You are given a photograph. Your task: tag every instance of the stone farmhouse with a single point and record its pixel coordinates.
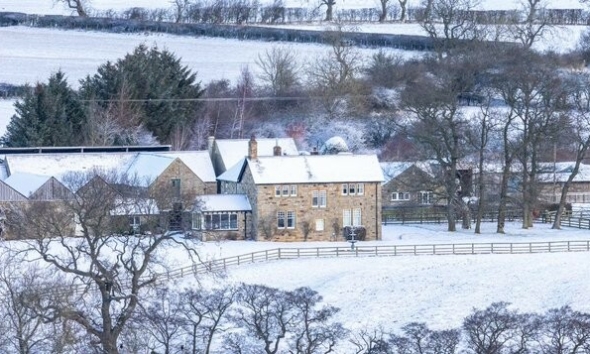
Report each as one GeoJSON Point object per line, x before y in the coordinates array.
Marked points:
{"type": "Point", "coordinates": [279, 195]}
{"type": "Point", "coordinates": [408, 184]}
{"type": "Point", "coordinates": [307, 197]}
{"type": "Point", "coordinates": [54, 174]}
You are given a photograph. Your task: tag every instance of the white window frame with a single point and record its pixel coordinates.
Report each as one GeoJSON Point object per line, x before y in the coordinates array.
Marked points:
{"type": "Point", "coordinates": [215, 222]}
{"type": "Point", "coordinates": [293, 190]}
{"type": "Point", "coordinates": [197, 221]}
{"type": "Point", "coordinates": [344, 189]}
{"type": "Point", "coordinates": [360, 189]}
{"type": "Point", "coordinates": [352, 189]}
{"type": "Point", "coordinates": [400, 196]}
{"type": "Point", "coordinates": [426, 195]}
{"type": "Point", "coordinates": [357, 219]}
{"type": "Point", "coordinates": [319, 224]}
{"type": "Point", "coordinates": [281, 218]}
{"type": "Point", "coordinates": [319, 199]}
{"type": "Point", "coordinates": [346, 217]}
{"type": "Point", "coordinates": [291, 220]}
{"type": "Point", "coordinates": [135, 222]}
{"type": "Point", "coordinates": [277, 191]}
{"type": "Point", "coordinates": [286, 191]}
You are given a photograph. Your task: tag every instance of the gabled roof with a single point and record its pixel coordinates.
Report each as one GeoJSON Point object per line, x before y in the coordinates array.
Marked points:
{"type": "Point", "coordinates": [198, 161]}
{"type": "Point", "coordinates": [562, 172]}
{"type": "Point", "coordinates": [313, 169]}
{"type": "Point", "coordinates": [391, 170]}
{"type": "Point", "coordinates": [222, 202]}
{"type": "Point", "coordinates": [232, 150]}
{"type": "Point", "coordinates": [234, 173]}
{"type": "Point", "coordinates": [147, 167]}
{"type": "Point", "coordinates": [26, 183]}
{"type": "Point", "coordinates": [59, 165]}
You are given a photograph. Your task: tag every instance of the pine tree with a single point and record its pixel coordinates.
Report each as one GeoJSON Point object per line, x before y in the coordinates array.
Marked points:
{"type": "Point", "coordinates": [48, 115]}
{"type": "Point", "coordinates": [158, 87]}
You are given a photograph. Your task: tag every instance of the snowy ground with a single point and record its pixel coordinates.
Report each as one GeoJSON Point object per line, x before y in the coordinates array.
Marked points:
{"type": "Point", "coordinates": [438, 290]}
{"type": "Point", "coordinates": [51, 8]}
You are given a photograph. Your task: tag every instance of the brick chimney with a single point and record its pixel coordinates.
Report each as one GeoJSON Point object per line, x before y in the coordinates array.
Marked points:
{"type": "Point", "coordinates": [276, 150]}
{"type": "Point", "coordinates": [252, 148]}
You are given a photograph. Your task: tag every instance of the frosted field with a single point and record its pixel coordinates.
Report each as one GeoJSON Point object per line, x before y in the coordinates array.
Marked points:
{"type": "Point", "coordinates": [48, 7]}
{"type": "Point", "coordinates": [438, 290]}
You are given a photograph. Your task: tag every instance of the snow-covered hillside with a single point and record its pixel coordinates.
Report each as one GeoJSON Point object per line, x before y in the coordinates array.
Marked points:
{"type": "Point", "coordinates": [437, 290]}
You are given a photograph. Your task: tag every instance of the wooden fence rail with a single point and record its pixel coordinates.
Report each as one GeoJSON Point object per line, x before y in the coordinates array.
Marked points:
{"type": "Point", "coordinates": [380, 251]}
{"type": "Point", "coordinates": [570, 220]}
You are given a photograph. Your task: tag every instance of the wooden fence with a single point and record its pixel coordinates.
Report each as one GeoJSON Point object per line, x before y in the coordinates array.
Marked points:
{"type": "Point", "coordinates": [401, 217]}
{"type": "Point", "coordinates": [379, 251]}
{"type": "Point", "coordinates": [569, 220]}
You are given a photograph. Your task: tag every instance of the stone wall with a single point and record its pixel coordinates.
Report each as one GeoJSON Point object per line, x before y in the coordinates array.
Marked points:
{"type": "Point", "coordinates": [331, 216]}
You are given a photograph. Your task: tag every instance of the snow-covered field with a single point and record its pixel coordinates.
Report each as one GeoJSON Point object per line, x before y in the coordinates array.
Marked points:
{"type": "Point", "coordinates": [438, 290]}
{"type": "Point", "coordinates": [51, 8]}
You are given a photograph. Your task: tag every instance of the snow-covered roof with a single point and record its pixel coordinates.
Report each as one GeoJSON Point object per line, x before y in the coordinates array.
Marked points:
{"type": "Point", "coordinates": [315, 169]}
{"type": "Point", "coordinates": [232, 150]}
{"type": "Point", "coordinates": [59, 165]}
{"type": "Point", "coordinates": [222, 202]}
{"type": "Point", "coordinates": [142, 206]}
{"type": "Point", "coordinates": [26, 183]}
{"type": "Point", "coordinates": [234, 173]}
{"type": "Point", "coordinates": [145, 166]}
{"type": "Point", "coordinates": [393, 169]}
{"type": "Point", "coordinates": [198, 161]}
{"type": "Point", "coordinates": [563, 171]}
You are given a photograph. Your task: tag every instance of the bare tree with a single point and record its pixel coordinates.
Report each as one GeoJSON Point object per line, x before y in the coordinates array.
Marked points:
{"type": "Point", "coordinates": [315, 331]}
{"type": "Point", "coordinates": [334, 76]}
{"type": "Point", "coordinates": [244, 108]}
{"type": "Point", "coordinates": [578, 120]}
{"type": "Point", "coordinates": [370, 341]}
{"type": "Point", "coordinates": [205, 314]}
{"type": "Point", "coordinates": [80, 6]}
{"type": "Point", "coordinates": [536, 97]}
{"type": "Point", "coordinates": [534, 25]}
{"type": "Point", "coordinates": [403, 4]}
{"type": "Point", "coordinates": [449, 21]}
{"type": "Point", "coordinates": [279, 69]}
{"type": "Point", "coordinates": [417, 338]}
{"type": "Point", "coordinates": [266, 315]}
{"type": "Point", "coordinates": [329, 8]}
{"type": "Point", "coordinates": [438, 125]}
{"type": "Point", "coordinates": [160, 317]}
{"type": "Point", "coordinates": [497, 330]}
{"type": "Point", "coordinates": [564, 331]}
{"type": "Point", "coordinates": [181, 8]}
{"type": "Point", "coordinates": [109, 274]}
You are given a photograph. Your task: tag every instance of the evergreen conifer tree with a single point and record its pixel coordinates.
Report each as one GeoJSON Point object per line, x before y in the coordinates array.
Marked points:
{"type": "Point", "coordinates": [50, 114]}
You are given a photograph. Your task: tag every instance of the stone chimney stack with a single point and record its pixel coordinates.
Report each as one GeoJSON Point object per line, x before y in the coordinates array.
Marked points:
{"type": "Point", "coordinates": [276, 150]}
{"type": "Point", "coordinates": [210, 142]}
{"type": "Point", "coordinates": [252, 148]}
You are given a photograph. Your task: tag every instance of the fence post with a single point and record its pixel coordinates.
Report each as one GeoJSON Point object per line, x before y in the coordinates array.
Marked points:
{"type": "Point", "coordinates": [224, 265]}
{"type": "Point", "coordinates": [298, 255]}
{"type": "Point", "coordinates": [375, 250]}
{"type": "Point", "coordinates": [238, 260]}
{"type": "Point", "coordinates": [395, 250]}
{"type": "Point", "coordinates": [318, 252]}
{"type": "Point", "coordinates": [266, 253]}
{"type": "Point", "coordinates": [414, 250]}
{"type": "Point", "coordinates": [568, 246]}
{"type": "Point", "coordinates": [279, 253]}
{"type": "Point", "coordinates": [549, 246]}
{"type": "Point", "coordinates": [472, 248]}
{"type": "Point", "coordinates": [511, 248]}
{"type": "Point", "coordinates": [252, 257]}
{"type": "Point", "coordinates": [453, 248]}
{"type": "Point", "coordinates": [433, 250]}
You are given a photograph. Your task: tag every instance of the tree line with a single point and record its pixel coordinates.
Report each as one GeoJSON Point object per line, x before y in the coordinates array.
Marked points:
{"type": "Point", "coordinates": [253, 12]}
{"type": "Point", "coordinates": [253, 318]}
